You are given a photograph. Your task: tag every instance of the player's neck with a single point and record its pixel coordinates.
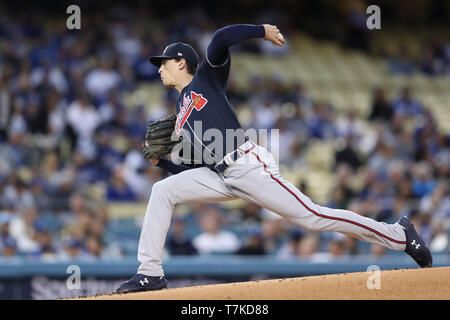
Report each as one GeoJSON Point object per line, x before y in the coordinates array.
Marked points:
{"type": "Point", "coordinates": [185, 79]}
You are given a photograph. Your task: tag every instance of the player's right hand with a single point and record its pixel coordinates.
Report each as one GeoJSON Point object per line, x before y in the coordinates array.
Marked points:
{"type": "Point", "coordinates": [273, 35]}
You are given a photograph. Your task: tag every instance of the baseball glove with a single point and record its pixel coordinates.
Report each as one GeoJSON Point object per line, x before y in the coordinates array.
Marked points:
{"type": "Point", "coordinates": [160, 138]}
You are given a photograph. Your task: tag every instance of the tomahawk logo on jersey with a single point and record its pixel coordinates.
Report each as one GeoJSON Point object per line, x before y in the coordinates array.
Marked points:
{"type": "Point", "coordinates": [191, 101]}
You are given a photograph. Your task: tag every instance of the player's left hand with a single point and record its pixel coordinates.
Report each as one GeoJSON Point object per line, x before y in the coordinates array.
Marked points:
{"type": "Point", "coordinates": [273, 35]}
{"type": "Point", "coordinates": [160, 138]}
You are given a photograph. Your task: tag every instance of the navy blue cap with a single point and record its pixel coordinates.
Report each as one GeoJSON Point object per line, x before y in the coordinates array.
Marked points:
{"type": "Point", "coordinates": [177, 50]}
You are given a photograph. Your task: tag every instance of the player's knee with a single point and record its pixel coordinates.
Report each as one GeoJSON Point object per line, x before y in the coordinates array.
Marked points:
{"type": "Point", "coordinates": [161, 189]}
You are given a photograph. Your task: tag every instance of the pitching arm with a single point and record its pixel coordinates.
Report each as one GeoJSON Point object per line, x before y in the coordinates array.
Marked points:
{"type": "Point", "coordinates": [217, 53]}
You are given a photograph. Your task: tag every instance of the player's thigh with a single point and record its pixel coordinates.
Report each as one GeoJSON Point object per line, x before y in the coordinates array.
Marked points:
{"type": "Point", "coordinates": [260, 182]}
{"type": "Point", "coordinates": [194, 185]}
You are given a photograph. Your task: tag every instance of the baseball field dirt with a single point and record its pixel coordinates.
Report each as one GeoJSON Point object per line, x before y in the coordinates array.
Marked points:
{"type": "Point", "coordinates": [399, 284]}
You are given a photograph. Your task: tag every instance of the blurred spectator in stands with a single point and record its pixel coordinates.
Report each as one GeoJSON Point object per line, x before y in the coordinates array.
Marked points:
{"type": "Point", "coordinates": [342, 181]}
{"type": "Point", "coordinates": [213, 239]}
{"type": "Point", "coordinates": [71, 250]}
{"type": "Point", "coordinates": [405, 105]}
{"type": "Point", "coordinates": [400, 208]}
{"type": "Point", "coordinates": [354, 16]}
{"type": "Point", "coordinates": [336, 246]}
{"type": "Point", "coordinates": [383, 157]}
{"type": "Point", "coordinates": [321, 124]}
{"type": "Point", "coordinates": [429, 64]}
{"type": "Point", "coordinates": [347, 154]}
{"type": "Point", "coordinates": [437, 202]}
{"type": "Point", "coordinates": [273, 231]}
{"type": "Point", "coordinates": [254, 244]}
{"type": "Point", "coordinates": [93, 247]}
{"type": "Point", "coordinates": [422, 223]}
{"type": "Point", "coordinates": [381, 108]}
{"type": "Point", "coordinates": [377, 251]}
{"type": "Point", "coordinates": [441, 159]}
{"type": "Point", "coordinates": [235, 95]}
{"type": "Point", "coordinates": [333, 243]}
{"type": "Point", "coordinates": [289, 248]}
{"type": "Point", "coordinates": [54, 173]}
{"type": "Point", "coordinates": [46, 250]}
{"type": "Point", "coordinates": [56, 106]}
{"type": "Point", "coordinates": [404, 144]}
{"type": "Point", "coordinates": [118, 189]}
{"type": "Point", "coordinates": [41, 198]}
{"type": "Point", "coordinates": [426, 139]}
{"type": "Point", "coordinates": [266, 115]}
{"type": "Point", "coordinates": [107, 156]}
{"type": "Point", "coordinates": [5, 103]}
{"type": "Point", "coordinates": [350, 125]}
{"type": "Point", "coordinates": [308, 248]}
{"type": "Point", "coordinates": [138, 174]}
{"type": "Point", "coordinates": [83, 119]}
{"type": "Point", "coordinates": [423, 181]}
{"type": "Point", "coordinates": [36, 115]}
{"type": "Point", "coordinates": [178, 243]}
{"type": "Point", "coordinates": [286, 139]}
{"type": "Point", "coordinates": [351, 246]}
{"type": "Point", "coordinates": [22, 230]}
{"type": "Point", "coordinates": [102, 78]}
{"type": "Point", "coordinates": [8, 245]}
{"type": "Point", "coordinates": [96, 226]}
{"type": "Point", "coordinates": [250, 214]}
{"type": "Point", "coordinates": [145, 71]}
{"type": "Point", "coordinates": [5, 219]}
{"type": "Point", "coordinates": [339, 198]}
{"type": "Point", "coordinates": [299, 96]}
{"type": "Point", "coordinates": [380, 199]}
{"type": "Point", "coordinates": [111, 109]}
{"type": "Point", "coordinates": [441, 239]}
{"type": "Point", "coordinates": [18, 194]}
{"type": "Point", "coordinates": [401, 63]}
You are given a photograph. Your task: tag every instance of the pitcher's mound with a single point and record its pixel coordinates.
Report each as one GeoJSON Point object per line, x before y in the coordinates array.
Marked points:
{"type": "Point", "coordinates": [431, 283]}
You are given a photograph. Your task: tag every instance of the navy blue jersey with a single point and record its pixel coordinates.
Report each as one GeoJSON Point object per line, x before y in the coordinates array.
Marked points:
{"type": "Point", "coordinates": [203, 106]}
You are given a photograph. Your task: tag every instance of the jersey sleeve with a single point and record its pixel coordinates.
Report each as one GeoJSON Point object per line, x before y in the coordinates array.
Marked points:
{"type": "Point", "coordinates": [217, 59]}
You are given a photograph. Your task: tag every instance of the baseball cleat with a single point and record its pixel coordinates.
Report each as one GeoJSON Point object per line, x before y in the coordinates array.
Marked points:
{"type": "Point", "coordinates": [415, 246]}
{"type": "Point", "coordinates": [141, 282]}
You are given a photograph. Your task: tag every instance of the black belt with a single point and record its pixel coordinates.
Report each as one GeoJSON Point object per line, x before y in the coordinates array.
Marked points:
{"type": "Point", "coordinates": [236, 154]}
{"type": "Point", "coordinates": [222, 165]}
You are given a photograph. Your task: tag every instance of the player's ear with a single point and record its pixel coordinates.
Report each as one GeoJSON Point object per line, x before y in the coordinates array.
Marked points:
{"type": "Point", "coordinates": [182, 64]}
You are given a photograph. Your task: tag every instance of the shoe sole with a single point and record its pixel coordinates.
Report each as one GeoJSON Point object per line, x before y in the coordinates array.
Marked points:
{"type": "Point", "coordinates": [140, 290]}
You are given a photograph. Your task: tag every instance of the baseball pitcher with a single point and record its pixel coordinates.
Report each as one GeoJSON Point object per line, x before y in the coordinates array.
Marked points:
{"type": "Point", "coordinates": [245, 170]}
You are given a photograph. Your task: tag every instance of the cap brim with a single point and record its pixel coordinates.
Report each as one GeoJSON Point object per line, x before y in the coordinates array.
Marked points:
{"type": "Point", "coordinates": [157, 60]}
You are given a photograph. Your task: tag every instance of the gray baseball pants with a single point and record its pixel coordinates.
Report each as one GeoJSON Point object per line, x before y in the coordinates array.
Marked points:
{"type": "Point", "coordinates": [254, 177]}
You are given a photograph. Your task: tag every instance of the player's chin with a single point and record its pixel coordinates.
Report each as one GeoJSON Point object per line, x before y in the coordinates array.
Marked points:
{"type": "Point", "coordinates": [165, 82]}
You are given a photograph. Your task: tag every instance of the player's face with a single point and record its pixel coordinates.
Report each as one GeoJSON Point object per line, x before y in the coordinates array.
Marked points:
{"type": "Point", "coordinates": [169, 71]}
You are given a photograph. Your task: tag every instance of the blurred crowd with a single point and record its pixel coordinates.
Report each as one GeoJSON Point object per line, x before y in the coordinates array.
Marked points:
{"type": "Point", "coordinates": [70, 144]}
{"type": "Point", "coordinates": [433, 60]}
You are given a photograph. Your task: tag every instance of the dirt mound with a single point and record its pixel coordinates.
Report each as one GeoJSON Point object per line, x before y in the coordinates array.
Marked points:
{"type": "Point", "coordinates": [431, 283]}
